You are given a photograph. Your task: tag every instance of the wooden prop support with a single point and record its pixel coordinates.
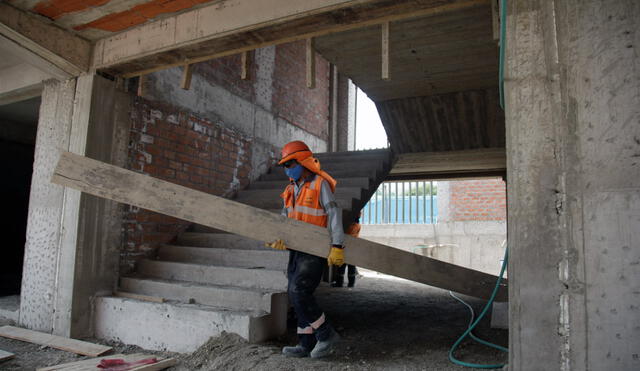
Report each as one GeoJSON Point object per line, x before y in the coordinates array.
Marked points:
{"type": "Point", "coordinates": [244, 65]}
{"type": "Point", "coordinates": [121, 185]}
{"type": "Point", "coordinates": [186, 77]}
{"type": "Point", "coordinates": [385, 51]}
{"type": "Point", "coordinates": [311, 64]}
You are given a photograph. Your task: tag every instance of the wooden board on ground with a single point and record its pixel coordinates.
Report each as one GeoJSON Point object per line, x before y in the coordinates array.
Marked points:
{"type": "Point", "coordinates": [91, 364]}
{"type": "Point", "coordinates": [5, 355]}
{"type": "Point", "coordinates": [121, 185]}
{"type": "Point", "coordinates": [53, 341]}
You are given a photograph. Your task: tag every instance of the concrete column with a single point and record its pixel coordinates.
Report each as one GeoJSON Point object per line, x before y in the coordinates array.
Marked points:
{"type": "Point", "coordinates": [573, 141]}
{"type": "Point", "coordinates": [40, 270]}
{"type": "Point", "coordinates": [72, 246]}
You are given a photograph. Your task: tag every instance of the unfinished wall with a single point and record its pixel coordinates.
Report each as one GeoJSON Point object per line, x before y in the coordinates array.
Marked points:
{"type": "Point", "coordinates": [472, 244]}
{"type": "Point", "coordinates": [573, 141]}
{"type": "Point", "coordinates": [472, 200]}
{"type": "Point", "coordinates": [222, 132]}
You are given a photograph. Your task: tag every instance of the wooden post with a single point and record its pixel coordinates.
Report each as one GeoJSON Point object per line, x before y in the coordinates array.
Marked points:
{"type": "Point", "coordinates": [121, 185]}
{"type": "Point", "coordinates": [141, 82]}
{"type": "Point", "coordinates": [385, 51]}
{"type": "Point", "coordinates": [311, 64]}
{"type": "Point", "coordinates": [186, 77]}
{"type": "Point", "coordinates": [244, 65]}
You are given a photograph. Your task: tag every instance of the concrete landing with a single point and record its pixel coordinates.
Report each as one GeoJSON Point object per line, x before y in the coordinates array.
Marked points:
{"type": "Point", "coordinates": [177, 327]}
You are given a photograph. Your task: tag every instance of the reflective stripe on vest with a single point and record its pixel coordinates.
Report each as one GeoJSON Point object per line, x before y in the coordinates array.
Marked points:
{"type": "Point", "coordinates": [307, 207]}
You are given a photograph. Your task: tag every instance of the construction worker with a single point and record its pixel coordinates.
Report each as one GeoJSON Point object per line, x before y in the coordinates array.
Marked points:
{"type": "Point", "coordinates": [352, 271]}
{"type": "Point", "coordinates": [309, 197]}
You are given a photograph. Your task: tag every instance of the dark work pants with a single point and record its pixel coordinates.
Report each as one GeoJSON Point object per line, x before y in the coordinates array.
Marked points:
{"type": "Point", "coordinates": [304, 273]}
{"type": "Point", "coordinates": [351, 273]}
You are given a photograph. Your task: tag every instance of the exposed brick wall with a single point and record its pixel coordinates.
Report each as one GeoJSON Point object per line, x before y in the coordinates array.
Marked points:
{"type": "Point", "coordinates": [482, 199]}
{"type": "Point", "coordinates": [225, 72]}
{"type": "Point", "coordinates": [174, 145]}
{"type": "Point", "coordinates": [292, 100]}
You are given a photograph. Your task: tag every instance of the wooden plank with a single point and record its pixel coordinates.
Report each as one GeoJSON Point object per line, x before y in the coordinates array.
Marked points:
{"type": "Point", "coordinates": [495, 19]}
{"type": "Point", "coordinates": [5, 355]}
{"type": "Point", "coordinates": [141, 86]}
{"type": "Point", "coordinates": [385, 51]}
{"type": "Point", "coordinates": [66, 51]}
{"type": "Point", "coordinates": [187, 71]}
{"type": "Point", "coordinates": [91, 364]}
{"type": "Point", "coordinates": [450, 162]}
{"type": "Point", "coordinates": [310, 64]}
{"type": "Point", "coordinates": [128, 54]}
{"type": "Point", "coordinates": [130, 295]}
{"type": "Point", "coordinates": [121, 185]}
{"type": "Point", "coordinates": [53, 341]}
{"type": "Point", "coordinates": [244, 65]}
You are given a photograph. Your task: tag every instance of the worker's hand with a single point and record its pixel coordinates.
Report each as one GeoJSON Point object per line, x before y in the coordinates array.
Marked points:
{"type": "Point", "coordinates": [277, 244]}
{"type": "Point", "coordinates": [336, 256]}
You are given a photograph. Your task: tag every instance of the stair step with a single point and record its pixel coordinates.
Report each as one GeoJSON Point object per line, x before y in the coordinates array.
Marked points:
{"type": "Point", "coordinates": [226, 257]}
{"type": "Point", "coordinates": [230, 297]}
{"type": "Point", "coordinates": [258, 278]}
{"type": "Point", "coordinates": [220, 240]}
{"type": "Point", "coordinates": [359, 182]}
{"type": "Point", "coordinates": [278, 174]}
{"type": "Point", "coordinates": [177, 327]}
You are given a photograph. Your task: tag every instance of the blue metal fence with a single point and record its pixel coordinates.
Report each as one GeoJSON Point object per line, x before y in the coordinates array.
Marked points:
{"type": "Point", "coordinates": [406, 202]}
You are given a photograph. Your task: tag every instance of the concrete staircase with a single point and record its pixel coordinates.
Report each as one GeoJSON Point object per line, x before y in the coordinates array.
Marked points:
{"type": "Point", "coordinates": [213, 281]}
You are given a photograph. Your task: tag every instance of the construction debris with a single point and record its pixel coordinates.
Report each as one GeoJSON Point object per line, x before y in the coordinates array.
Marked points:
{"type": "Point", "coordinates": [116, 362]}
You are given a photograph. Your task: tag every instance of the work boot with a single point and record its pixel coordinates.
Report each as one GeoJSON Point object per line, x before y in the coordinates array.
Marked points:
{"type": "Point", "coordinates": [297, 351]}
{"type": "Point", "coordinates": [324, 347]}
{"type": "Point", "coordinates": [306, 342]}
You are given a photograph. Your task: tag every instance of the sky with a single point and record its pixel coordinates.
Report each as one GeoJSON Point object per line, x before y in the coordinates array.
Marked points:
{"type": "Point", "coordinates": [369, 131]}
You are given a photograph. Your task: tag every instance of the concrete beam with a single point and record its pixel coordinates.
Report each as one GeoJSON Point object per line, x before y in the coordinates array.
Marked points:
{"type": "Point", "coordinates": [20, 82]}
{"type": "Point", "coordinates": [240, 25]}
{"type": "Point", "coordinates": [126, 186]}
{"type": "Point", "coordinates": [434, 165]}
{"type": "Point", "coordinates": [64, 50]}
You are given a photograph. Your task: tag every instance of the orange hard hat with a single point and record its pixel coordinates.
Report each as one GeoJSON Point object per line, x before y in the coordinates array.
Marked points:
{"type": "Point", "coordinates": [296, 150]}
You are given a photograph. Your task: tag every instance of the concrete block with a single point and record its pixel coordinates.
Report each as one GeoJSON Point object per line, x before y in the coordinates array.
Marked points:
{"type": "Point", "coordinates": [228, 276]}
{"type": "Point", "coordinates": [500, 315]}
{"type": "Point", "coordinates": [176, 327]}
{"type": "Point", "coordinates": [267, 259]}
{"type": "Point", "coordinates": [227, 297]}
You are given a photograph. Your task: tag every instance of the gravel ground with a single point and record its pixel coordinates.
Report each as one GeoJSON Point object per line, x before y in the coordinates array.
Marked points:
{"type": "Point", "coordinates": [386, 323]}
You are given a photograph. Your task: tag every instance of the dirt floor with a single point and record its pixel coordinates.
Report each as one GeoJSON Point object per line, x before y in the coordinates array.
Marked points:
{"type": "Point", "coordinates": [385, 323]}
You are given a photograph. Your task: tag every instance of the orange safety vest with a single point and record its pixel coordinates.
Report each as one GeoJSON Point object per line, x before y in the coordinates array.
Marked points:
{"type": "Point", "coordinates": [306, 207]}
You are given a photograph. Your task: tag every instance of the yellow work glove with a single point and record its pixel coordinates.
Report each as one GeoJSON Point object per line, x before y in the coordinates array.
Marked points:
{"type": "Point", "coordinates": [277, 244]}
{"type": "Point", "coordinates": [336, 256]}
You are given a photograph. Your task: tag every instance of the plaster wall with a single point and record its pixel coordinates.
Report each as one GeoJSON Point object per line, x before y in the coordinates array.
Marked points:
{"type": "Point", "coordinates": [573, 141]}
{"type": "Point", "coordinates": [477, 245]}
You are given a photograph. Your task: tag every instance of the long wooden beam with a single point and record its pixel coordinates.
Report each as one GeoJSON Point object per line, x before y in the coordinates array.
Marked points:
{"type": "Point", "coordinates": [241, 25]}
{"type": "Point", "coordinates": [434, 165]}
{"type": "Point", "coordinates": [67, 52]}
{"type": "Point", "coordinates": [125, 186]}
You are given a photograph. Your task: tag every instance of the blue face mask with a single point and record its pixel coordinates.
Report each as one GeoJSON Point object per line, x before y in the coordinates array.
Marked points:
{"type": "Point", "coordinates": [294, 172]}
